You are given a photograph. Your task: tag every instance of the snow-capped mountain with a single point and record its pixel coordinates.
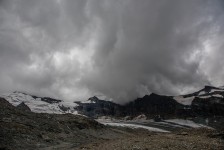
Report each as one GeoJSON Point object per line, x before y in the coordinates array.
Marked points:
{"type": "Point", "coordinates": [205, 93]}
{"type": "Point", "coordinates": [40, 104]}
{"type": "Point", "coordinates": [45, 104]}
{"type": "Point", "coordinates": [208, 101]}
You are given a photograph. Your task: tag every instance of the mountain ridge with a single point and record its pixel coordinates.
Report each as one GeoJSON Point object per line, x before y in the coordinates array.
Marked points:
{"type": "Point", "coordinates": [208, 101]}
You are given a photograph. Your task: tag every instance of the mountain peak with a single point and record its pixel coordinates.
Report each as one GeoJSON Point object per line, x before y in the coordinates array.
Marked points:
{"type": "Point", "coordinates": [23, 106]}
{"type": "Point", "coordinates": [210, 87]}
{"type": "Point", "coordinates": [94, 98]}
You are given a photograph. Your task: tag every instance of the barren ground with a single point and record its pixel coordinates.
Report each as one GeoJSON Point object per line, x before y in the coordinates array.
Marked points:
{"type": "Point", "coordinates": [199, 139]}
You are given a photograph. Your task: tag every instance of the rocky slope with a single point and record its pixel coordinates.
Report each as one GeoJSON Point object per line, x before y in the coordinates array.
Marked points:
{"type": "Point", "coordinates": [22, 129]}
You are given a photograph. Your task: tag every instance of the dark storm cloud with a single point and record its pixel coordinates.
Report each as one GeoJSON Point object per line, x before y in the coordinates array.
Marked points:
{"type": "Point", "coordinates": [121, 49]}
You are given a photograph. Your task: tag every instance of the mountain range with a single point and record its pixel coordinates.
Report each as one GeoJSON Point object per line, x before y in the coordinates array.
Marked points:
{"type": "Point", "coordinates": [206, 102]}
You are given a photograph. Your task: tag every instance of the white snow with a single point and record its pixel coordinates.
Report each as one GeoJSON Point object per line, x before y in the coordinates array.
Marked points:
{"type": "Point", "coordinates": [87, 102]}
{"type": "Point", "coordinates": [38, 106]}
{"type": "Point", "coordinates": [104, 97]}
{"type": "Point", "coordinates": [188, 100]}
{"type": "Point", "coordinates": [105, 119]}
{"type": "Point", "coordinates": [221, 87]}
{"type": "Point", "coordinates": [207, 96]}
{"type": "Point", "coordinates": [184, 101]}
{"type": "Point", "coordinates": [188, 123]}
{"type": "Point", "coordinates": [134, 126]}
{"type": "Point", "coordinates": [141, 117]}
{"type": "Point", "coordinates": [171, 123]}
{"type": "Point", "coordinates": [217, 95]}
{"type": "Point", "coordinates": [216, 90]}
{"type": "Point", "coordinates": [68, 104]}
{"type": "Point", "coordinates": [201, 93]}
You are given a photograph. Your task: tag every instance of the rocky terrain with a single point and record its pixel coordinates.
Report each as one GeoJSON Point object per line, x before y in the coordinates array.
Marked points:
{"type": "Point", "coordinates": [198, 139]}
{"type": "Point", "coordinates": [22, 129]}
{"type": "Point", "coordinates": [151, 122]}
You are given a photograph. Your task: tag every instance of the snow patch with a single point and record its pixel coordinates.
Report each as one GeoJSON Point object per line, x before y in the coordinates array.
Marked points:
{"type": "Point", "coordinates": [221, 87]}
{"type": "Point", "coordinates": [88, 102]}
{"type": "Point", "coordinates": [134, 126]}
{"type": "Point", "coordinates": [201, 93]}
{"type": "Point", "coordinates": [140, 117]}
{"type": "Point", "coordinates": [216, 90]}
{"type": "Point", "coordinates": [188, 123]}
{"type": "Point", "coordinates": [38, 106]}
{"type": "Point", "coordinates": [184, 101]}
{"type": "Point", "coordinates": [218, 95]}
{"type": "Point", "coordinates": [207, 96]}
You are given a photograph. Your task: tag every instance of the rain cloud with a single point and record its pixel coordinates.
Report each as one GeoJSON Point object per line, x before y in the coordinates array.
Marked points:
{"type": "Point", "coordinates": [122, 49]}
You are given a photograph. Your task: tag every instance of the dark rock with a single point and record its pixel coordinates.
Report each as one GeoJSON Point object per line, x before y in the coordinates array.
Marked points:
{"type": "Point", "coordinates": [183, 133]}
{"type": "Point", "coordinates": [23, 106]}
{"type": "Point", "coordinates": [96, 108]}
{"type": "Point", "coordinates": [213, 106]}
{"type": "Point", "coordinates": [150, 105]}
{"type": "Point", "coordinates": [206, 89]}
{"type": "Point", "coordinates": [217, 135]}
{"type": "Point", "coordinates": [63, 108]}
{"type": "Point", "coordinates": [157, 118]}
{"type": "Point", "coordinates": [50, 100]}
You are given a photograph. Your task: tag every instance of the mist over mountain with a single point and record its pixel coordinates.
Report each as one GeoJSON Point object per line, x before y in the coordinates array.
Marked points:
{"type": "Point", "coordinates": [205, 103]}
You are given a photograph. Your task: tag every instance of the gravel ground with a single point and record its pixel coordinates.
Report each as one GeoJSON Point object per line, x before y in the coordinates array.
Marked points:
{"type": "Point", "coordinates": [198, 139]}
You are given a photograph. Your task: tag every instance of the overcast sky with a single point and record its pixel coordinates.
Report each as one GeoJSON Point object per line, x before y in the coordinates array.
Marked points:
{"type": "Point", "coordinates": [123, 49]}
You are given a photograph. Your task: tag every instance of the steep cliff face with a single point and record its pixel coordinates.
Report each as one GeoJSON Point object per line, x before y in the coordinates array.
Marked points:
{"type": "Point", "coordinates": [209, 102]}
{"type": "Point", "coordinates": [95, 107]}
{"type": "Point", "coordinates": [211, 106]}
{"type": "Point", "coordinates": [152, 105]}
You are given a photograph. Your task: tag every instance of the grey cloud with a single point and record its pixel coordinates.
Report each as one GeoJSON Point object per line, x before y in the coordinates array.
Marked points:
{"type": "Point", "coordinates": [122, 49]}
{"type": "Point", "coordinates": [148, 44]}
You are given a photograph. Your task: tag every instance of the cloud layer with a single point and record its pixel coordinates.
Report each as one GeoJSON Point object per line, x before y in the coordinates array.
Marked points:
{"type": "Point", "coordinates": [122, 49]}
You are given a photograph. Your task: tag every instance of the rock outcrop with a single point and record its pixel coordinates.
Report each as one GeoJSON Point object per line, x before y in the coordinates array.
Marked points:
{"type": "Point", "coordinates": [23, 106]}
{"type": "Point", "coordinates": [96, 108]}
{"type": "Point", "coordinates": [211, 106]}
{"type": "Point", "coordinates": [150, 105]}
